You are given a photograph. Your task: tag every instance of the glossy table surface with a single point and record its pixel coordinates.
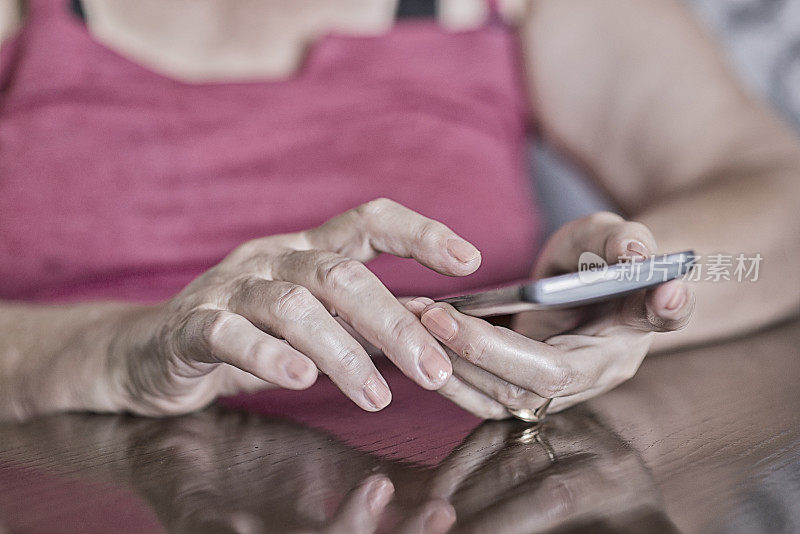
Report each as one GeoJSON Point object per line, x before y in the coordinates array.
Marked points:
{"type": "Point", "coordinates": [702, 440]}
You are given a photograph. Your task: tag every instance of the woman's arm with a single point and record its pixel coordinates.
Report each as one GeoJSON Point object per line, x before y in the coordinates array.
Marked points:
{"type": "Point", "coordinates": [55, 358]}
{"type": "Point", "coordinates": [262, 317]}
{"type": "Point", "coordinates": [639, 95]}
{"type": "Point", "coordinates": [10, 17]}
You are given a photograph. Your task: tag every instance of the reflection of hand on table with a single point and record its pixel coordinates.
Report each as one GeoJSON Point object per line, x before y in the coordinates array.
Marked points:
{"type": "Point", "coordinates": [571, 474]}
{"type": "Point", "coordinates": [220, 471]}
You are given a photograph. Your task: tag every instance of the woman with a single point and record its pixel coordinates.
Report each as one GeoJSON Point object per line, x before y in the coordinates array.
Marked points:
{"type": "Point", "coordinates": [140, 149]}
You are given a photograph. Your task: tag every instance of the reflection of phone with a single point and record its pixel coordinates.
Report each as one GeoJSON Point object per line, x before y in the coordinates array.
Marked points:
{"type": "Point", "coordinates": [594, 282]}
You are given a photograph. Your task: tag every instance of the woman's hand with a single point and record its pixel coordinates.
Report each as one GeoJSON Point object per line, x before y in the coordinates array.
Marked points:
{"type": "Point", "coordinates": [566, 355]}
{"type": "Point", "coordinates": [265, 316]}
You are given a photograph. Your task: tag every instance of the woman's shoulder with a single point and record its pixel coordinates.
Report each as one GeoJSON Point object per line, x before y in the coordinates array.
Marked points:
{"type": "Point", "coordinates": [10, 18]}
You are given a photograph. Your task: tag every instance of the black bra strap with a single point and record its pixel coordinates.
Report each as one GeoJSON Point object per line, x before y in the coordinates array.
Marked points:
{"type": "Point", "coordinates": [416, 8]}
{"type": "Point", "coordinates": [76, 6]}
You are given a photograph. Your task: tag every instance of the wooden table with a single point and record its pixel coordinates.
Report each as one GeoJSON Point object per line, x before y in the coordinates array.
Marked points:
{"type": "Point", "coordinates": [704, 440]}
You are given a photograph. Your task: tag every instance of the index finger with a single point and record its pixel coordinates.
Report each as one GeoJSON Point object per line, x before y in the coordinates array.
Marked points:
{"type": "Point", "coordinates": [347, 287]}
{"type": "Point", "coordinates": [383, 225]}
{"type": "Point", "coordinates": [535, 366]}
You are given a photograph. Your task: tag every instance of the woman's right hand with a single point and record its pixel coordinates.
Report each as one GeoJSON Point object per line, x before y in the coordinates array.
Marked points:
{"type": "Point", "coordinates": [266, 316]}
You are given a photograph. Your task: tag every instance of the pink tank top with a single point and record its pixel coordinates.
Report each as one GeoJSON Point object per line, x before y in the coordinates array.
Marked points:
{"type": "Point", "coordinates": [120, 183]}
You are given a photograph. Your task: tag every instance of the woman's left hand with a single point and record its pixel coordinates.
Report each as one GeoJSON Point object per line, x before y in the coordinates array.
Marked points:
{"type": "Point", "coordinates": [565, 355]}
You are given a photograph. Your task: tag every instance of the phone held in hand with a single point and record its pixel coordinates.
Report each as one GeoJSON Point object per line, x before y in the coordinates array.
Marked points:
{"type": "Point", "coordinates": [595, 281]}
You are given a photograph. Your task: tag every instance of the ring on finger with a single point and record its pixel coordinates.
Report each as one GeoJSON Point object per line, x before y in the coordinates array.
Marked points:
{"type": "Point", "coordinates": [531, 415]}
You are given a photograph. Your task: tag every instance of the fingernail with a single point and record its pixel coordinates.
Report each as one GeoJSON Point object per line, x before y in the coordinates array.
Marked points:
{"type": "Point", "coordinates": [379, 494]}
{"type": "Point", "coordinates": [296, 369]}
{"type": "Point", "coordinates": [677, 299]}
{"type": "Point", "coordinates": [438, 321]}
{"type": "Point", "coordinates": [461, 250]}
{"type": "Point", "coordinates": [439, 519]}
{"type": "Point", "coordinates": [637, 249]}
{"type": "Point", "coordinates": [377, 392]}
{"type": "Point", "coordinates": [435, 365]}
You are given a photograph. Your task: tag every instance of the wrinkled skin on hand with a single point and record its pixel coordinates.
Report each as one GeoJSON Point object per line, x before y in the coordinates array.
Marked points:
{"type": "Point", "coordinates": [565, 355]}
{"type": "Point", "coordinates": [267, 315]}
{"type": "Point", "coordinates": [280, 308]}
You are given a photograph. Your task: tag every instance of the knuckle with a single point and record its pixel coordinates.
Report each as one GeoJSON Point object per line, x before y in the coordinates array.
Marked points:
{"type": "Point", "coordinates": [511, 395]}
{"type": "Point", "coordinates": [402, 327]}
{"type": "Point", "coordinates": [429, 231]}
{"type": "Point", "coordinates": [341, 272]}
{"type": "Point", "coordinates": [349, 361]}
{"type": "Point", "coordinates": [475, 351]}
{"type": "Point", "coordinates": [246, 288]}
{"type": "Point", "coordinates": [376, 207]}
{"type": "Point", "coordinates": [302, 259]}
{"type": "Point", "coordinates": [561, 379]}
{"type": "Point", "coordinates": [293, 302]}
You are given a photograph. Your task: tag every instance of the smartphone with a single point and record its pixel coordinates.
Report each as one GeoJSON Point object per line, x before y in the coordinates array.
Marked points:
{"type": "Point", "coordinates": [595, 281]}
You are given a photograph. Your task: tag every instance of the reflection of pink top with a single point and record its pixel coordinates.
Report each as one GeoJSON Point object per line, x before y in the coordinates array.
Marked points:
{"type": "Point", "coordinates": [116, 182]}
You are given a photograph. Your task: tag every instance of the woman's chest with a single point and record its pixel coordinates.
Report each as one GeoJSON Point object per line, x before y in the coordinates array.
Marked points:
{"type": "Point", "coordinates": [130, 190]}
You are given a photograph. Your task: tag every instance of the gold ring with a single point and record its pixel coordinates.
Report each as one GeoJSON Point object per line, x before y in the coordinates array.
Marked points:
{"type": "Point", "coordinates": [531, 416]}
